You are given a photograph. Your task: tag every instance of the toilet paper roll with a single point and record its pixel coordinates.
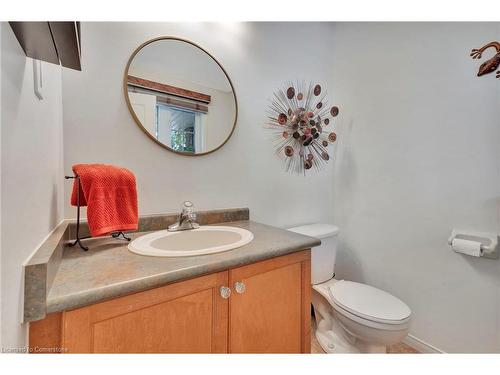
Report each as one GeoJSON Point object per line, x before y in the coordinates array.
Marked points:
{"type": "Point", "coordinates": [472, 248]}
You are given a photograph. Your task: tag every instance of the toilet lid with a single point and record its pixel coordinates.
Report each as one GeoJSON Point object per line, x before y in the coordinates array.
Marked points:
{"type": "Point", "coordinates": [368, 302]}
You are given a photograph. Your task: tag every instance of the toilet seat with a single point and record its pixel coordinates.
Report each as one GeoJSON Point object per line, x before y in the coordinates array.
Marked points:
{"type": "Point", "coordinates": [369, 303]}
{"type": "Point", "coordinates": [365, 304]}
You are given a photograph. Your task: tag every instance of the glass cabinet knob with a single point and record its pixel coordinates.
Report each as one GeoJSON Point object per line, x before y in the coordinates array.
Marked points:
{"type": "Point", "coordinates": [240, 287]}
{"type": "Point", "coordinates": [225, 292]}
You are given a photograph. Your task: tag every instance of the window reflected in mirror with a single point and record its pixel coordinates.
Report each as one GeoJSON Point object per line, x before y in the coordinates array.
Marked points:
{"type": "Point", "coordinates": [180, 128]}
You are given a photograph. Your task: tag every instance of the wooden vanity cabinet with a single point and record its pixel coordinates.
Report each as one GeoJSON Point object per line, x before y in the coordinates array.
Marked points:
{"type": "Point", "coordinates": [273, 313]}
{"type": "Point", "coordinates": [268, 311]}
{"type": "Point", "coordinates": [185, 317]}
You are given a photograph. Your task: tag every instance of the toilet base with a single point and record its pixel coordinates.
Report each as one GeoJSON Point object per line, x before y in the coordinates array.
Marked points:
{"type": "Point", "coordinates": [334, 341]}
{"type": "Point", "coordinates": [329, 333]}
{"type": "Point", "coordinates": [336, 333]}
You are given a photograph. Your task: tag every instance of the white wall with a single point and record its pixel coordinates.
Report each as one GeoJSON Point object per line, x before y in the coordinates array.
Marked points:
{"type": "Point", "coordinates": [419, 155]}
{"type": "Point", "coordinates": [32, 173]}
{"type": "Point", "coordinates": [245, 172]}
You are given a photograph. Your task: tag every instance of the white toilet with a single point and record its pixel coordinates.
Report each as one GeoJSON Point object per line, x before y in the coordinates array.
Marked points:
{"type": "Point", "coordinates": [351, 317]}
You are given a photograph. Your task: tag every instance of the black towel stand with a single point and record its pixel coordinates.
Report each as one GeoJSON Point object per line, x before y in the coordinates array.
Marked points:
{"type": "Point", "coordinates": [79, 239]}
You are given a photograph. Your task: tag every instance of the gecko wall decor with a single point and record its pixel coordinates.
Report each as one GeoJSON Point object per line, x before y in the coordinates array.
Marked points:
{"type": "Point", "coordinates": [490, 65]}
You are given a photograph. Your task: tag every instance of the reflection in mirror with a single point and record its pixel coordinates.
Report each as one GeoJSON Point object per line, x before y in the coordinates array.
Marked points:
{"type": "Point", "coordinates": [180, 96]}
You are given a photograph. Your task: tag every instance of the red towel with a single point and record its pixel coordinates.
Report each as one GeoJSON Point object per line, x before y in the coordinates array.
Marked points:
{"type": "Point", "coordinates": [111, 196]}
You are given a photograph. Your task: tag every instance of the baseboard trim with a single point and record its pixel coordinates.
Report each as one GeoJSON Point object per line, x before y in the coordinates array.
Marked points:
{"type": "Point", "coordinates": [421, 345]}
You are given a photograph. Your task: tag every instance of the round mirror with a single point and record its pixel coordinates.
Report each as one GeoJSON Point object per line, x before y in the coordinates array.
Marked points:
{"type": "Point", "coordinates": [180, 96]}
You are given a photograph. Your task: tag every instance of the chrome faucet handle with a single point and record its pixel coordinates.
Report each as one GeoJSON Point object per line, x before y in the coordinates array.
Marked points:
{"type": "Point", "coordinates": [187, 207]}
{"type": "Point", "coordinates": [186, 218]}
{"type": "Point", "coordinates": [188, 211]}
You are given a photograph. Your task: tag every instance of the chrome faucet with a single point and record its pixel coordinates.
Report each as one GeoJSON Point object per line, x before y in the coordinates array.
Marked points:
{"type": "Point", "coordinates": [186, 219]}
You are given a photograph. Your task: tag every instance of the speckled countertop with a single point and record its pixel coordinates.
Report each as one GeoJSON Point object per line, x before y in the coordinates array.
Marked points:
{"type": "Point", "coordinates": [110, 270]}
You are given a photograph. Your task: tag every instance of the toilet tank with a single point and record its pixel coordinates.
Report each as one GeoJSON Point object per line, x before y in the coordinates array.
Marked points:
{"type": "Point", "coordinates": [322, 256]}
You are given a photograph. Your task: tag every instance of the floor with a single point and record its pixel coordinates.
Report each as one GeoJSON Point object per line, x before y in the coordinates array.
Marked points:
{"type": "Point", "coordinates": [394, 349]}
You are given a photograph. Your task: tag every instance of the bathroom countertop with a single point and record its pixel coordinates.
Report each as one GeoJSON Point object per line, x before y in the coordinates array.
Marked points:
{"type": "Point", "coordinates": [109, 270]}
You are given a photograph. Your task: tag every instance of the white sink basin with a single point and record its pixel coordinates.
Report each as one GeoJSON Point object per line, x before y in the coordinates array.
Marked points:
{"type": "Point", "coordinates": [201, 241]}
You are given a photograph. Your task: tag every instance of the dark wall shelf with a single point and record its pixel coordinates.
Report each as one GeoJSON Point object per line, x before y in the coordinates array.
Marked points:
{"type": "Point", "coordinates": [54, 42]}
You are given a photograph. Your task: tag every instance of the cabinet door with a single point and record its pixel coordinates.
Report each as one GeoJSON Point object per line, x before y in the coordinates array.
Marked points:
{"type": "Point", "coordinates": [272, 314]}
{"type": "Point", "coordinates": [185, 317]}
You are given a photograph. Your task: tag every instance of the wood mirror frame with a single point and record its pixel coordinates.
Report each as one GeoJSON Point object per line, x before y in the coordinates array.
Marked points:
{"type": "Point", "coordinates": [138, 122]}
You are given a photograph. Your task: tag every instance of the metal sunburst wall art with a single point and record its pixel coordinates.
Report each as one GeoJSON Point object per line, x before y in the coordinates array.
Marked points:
{"type": "Point", "coordinates": [302, 120]}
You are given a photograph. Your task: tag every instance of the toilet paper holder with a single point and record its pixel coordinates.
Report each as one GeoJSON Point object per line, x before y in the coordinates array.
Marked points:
{"type": "Point", "coordinates": [489, 241]}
